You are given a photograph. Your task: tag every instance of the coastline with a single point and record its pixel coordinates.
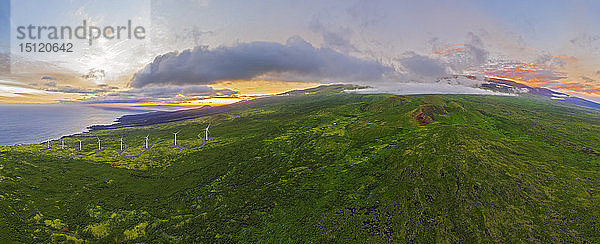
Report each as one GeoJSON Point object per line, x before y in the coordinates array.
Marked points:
{"type": "Point", "coordinates": [34, 124]}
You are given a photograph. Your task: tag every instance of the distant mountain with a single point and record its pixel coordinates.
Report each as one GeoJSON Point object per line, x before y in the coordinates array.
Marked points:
{"type": "Point", "coordinates": [164, 116]}
{"type": "Point", "coordinates": [511, 86]}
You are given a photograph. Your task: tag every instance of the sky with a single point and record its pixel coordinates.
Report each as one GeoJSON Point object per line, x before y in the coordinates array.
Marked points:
{"type": "Point", "coordinates": [199, 52]}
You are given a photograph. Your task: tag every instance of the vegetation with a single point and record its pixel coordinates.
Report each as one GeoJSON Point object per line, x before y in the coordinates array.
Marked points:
{"type": "Point", "coordinates": [325, 166]}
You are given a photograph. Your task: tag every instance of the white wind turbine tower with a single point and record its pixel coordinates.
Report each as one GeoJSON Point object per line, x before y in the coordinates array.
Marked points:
{"type": "Point", "coordinates": [98, 143]}
{"type": "Point", "coordinates": [48, 143]}
{"type": "Point", "coordinates": [62, 142]}
{"type": "Point", "coordinates": [121, 143]}
{"type": "Point", "coordinates": [146, 141]}
{"type": "Point", "coordinates": [79, 145]}
{"type": "Point", "coordinates": [175, 138]}
{"type": "Point", "coordinates": [206, 133]}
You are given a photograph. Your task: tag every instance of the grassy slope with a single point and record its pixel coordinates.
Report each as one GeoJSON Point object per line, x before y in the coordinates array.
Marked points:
{"type": "Point", "coordinates": [324, 167]}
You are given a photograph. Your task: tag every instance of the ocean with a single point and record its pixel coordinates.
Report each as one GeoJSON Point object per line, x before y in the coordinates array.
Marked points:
{"type": "Point", "coordinates": [26, 124]}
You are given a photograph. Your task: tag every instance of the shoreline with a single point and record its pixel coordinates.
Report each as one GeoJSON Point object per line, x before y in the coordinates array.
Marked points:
{"type": "Point", "coordinates": [36, 124]}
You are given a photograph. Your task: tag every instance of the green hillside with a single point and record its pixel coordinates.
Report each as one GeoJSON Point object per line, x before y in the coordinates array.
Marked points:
{"type": "Point", "coordinates": [326, 166]}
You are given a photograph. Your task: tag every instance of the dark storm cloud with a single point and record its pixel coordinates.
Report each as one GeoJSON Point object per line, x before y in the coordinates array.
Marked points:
{"type": "Point", "coordinates": [255, 59]}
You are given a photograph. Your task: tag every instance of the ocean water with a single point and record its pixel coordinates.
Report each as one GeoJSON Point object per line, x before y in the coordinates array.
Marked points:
{"type": "Point", "coordinates": [25, 124]}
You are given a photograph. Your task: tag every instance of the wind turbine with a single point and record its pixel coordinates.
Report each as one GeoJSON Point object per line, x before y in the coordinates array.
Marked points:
{"type": "Point", "coordinates": [175, 138]}
{"type": "Point", "coordinates": [79, 145]}
{"type": "Point", "coordinates": [98, 143]}
{"type": "Point", "coordinates": [62, 144]}
{"type": "Point", "coordinates": [146, 141]}
{"type": "Point", "coordinates": [206, 132]}
{"type": "Point", "coordinates": [121, 143]}
{"type": "Point", "coordinates": [48, 143]}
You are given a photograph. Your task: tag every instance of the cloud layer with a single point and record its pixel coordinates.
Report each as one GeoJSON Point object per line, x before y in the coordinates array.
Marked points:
{"type": "Point", "coordinates": [257, 59]}
{"type": "Point", "coordinates": [426, 88]}
{"type": "Point", "coordinates": [423, 66]}
{"type": "Point", "coordinates": [157, 94]}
